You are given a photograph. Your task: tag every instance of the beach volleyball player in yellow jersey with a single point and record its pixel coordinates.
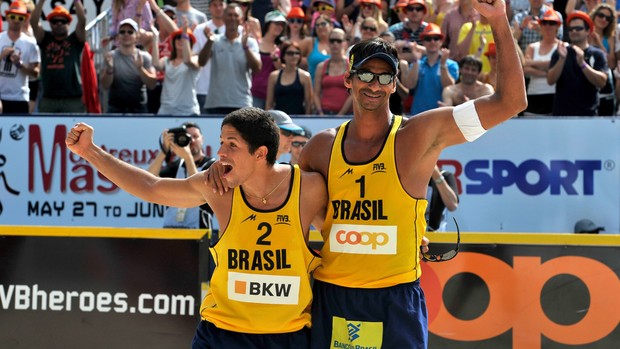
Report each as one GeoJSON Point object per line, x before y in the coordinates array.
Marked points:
{"type": "Point", "coordinates": [260, 291]}
{"type": "Point", "coordinates": [377, 167]}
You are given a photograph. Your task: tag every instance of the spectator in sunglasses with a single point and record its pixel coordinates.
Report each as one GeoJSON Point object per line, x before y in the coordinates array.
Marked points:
{"type": "Point", "coordinates": [330, 95]}
{"type": "Point", "coordinates": [20, 59]}
{"type": "Point", "coordinates": [431, 73]}
{"type": "Point", "coordinates": [369, 9]}
{"type": "Point", "coordinates": [578, 69]}
{"type": "Point", "coordinates": [526, 27]}
{"type": "Point", "coordinates": [298, 143]}
{"type": "Point", "coordinates": [410, 29]}
{"type": "Point", "coordinates": [297, 32]}
{"type": "Point", "coordinates": [540, 94]}
{"type": "Point", "coordinates": [604, 37]}
{"type": "Point", "coordinates": [128, 72]}
{"type": "Point", "coordinates": [60, 69]}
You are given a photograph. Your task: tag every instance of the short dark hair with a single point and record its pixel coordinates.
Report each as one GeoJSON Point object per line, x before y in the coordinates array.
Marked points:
{"type": "Point", "coordinates": [257, 128]}
{"type": "Point", "coordinates": [189, 124]}
{"type": "Point", "coordinates": [471, 60]}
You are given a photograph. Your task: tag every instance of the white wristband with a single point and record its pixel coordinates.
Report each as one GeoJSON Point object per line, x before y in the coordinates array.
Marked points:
{"type": "Point", "coordinates": [467, 120]}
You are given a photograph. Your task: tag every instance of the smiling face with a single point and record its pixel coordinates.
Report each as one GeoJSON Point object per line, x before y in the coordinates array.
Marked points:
{"type": "Point", "coordinates": [372, 95]}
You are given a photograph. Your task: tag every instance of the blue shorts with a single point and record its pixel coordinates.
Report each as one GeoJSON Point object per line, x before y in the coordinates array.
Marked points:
{"type": "Point", "coordinates": [391, 317]}
{"type": "Point", "coordinates": [208, 336]}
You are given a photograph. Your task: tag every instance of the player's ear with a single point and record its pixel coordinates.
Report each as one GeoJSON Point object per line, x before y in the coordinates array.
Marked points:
{"type": "Point", "coordinates": [347, 79]}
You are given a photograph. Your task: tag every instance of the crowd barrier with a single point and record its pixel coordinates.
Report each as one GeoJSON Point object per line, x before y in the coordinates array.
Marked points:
{"type": "Point", "coordinates": [75, 287]}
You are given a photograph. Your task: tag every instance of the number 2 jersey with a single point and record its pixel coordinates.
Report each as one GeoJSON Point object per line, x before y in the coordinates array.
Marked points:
{"type": "Point", "coordinates": [261, 282]}
{"type": "Point", "coordinates": [373, 227]}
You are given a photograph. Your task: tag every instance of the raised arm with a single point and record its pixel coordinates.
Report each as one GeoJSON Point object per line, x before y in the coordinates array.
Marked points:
{"type": "Point", "coordinates": [35, 21]}
{"type": "Point", "coordinates": [134, 180]}
{"type": "Point", "coordinates": [80, 27]}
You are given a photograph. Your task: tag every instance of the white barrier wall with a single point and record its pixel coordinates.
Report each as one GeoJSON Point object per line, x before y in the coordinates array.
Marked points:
{"type": "Point", "coordinates": [525, 175]}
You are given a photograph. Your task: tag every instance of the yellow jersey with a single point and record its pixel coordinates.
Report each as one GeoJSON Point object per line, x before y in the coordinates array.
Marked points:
{"type": "Point", "coordinates": [261, 281]}
{"type": "Point", "coordinates": [373, 227]}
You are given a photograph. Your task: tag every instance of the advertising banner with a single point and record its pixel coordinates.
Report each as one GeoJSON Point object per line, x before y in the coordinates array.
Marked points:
{"type": "Point", "coordinates": [88, 290]}
{"type": "Point", "coordinates": [548, 293]}
{"type": "Point", "coordinates": [523, 176]}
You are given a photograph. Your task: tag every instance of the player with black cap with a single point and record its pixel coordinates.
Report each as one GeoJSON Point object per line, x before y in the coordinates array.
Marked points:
{"type": "Point", "coordinates": [377, 167]}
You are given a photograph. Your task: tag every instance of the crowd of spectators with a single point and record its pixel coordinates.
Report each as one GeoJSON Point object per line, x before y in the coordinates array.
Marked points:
{"type": "Point", "coordinates": [176, 60]}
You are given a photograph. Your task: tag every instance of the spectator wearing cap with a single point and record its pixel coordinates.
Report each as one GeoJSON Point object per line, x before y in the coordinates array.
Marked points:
{"type": "Point", "coordinates": [474, 39]}
{"type": "Point", "coordinates": [433, 72]}
{"type": "Point", "coordinates": [578, 70]}
{"type": "Point", "coordinates": [164, 25]}
{"type": "Point", "coordinates": [290, 89]}
{"type": "Point", "coordinates": [297, 32]}
{"type": "Point", "coordinates": [269, 51]}
{"type": "Point", "coordinates": [61, 57]}
{"type": "Point", "coordinates": [178, 96]}
{"type": "Point", "coordinates": [216, 26]}
{"type": "Point", "coordinates": [451, 27]}
{"type": "Point", "coordinates": [540, 94]}
{"type": "Point", "coordinates": [298, 143]}
{"type": "Point", "coordinates": [410, 29]}
{"type": "Point", "coordinates": [526, 26]}
{"type": "Point", "coordinates": [288, 129]}
{"type": "Point", "coordinates": [138, 10]}
{"type": "Point", "coordinates": [19, 59]}
{"type": "Point", "coordinates": [586, 226]}
{"type": "Point", "coordinates": [234, 56]}
{"type": "Point", "coordinates": [128, 72]}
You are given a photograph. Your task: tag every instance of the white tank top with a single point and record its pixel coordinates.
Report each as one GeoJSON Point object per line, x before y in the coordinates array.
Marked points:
{"type": "Point", "coordinates": [538, 84]}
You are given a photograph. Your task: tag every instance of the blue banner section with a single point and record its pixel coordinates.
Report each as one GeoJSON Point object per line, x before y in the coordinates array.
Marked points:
{"type": "Point", "coordinates": [526, 175]}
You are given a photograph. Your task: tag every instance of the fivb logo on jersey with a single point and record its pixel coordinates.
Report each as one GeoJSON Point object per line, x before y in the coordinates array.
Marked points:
{"type": "Point", "coordinates": [363, 239]}
{"type": "Point", "coordinates": [265, 289]}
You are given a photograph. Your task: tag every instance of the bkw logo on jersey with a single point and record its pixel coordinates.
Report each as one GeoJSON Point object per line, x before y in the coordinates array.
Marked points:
{"type": "Point", "coordinates": [265, 289]}
{"type": "Point", "coordinates": [363, 239]}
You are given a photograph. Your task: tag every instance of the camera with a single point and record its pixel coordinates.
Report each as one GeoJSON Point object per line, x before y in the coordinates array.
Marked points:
{"type": "Point", "coordinates": [181, 137]}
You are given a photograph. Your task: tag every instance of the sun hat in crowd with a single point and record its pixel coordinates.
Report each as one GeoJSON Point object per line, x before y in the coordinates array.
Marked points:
{"type": "Point", "coordinates": [284, 121]}
{"type": "Point", "coordinates": [59, 11]}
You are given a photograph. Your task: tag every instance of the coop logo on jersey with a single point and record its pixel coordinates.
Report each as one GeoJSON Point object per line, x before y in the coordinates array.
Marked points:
{"type": "Point", "coordinates": [264, 289]}
{"type": "Point", "coordinates": [363, 239]}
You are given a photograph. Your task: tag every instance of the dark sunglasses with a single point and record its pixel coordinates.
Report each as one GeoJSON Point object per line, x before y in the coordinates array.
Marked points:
{"type": "Point", "coordinates": [372, 29]}
{"type": "Point", "coordinates": [292, 53]}
{"type": "Point", "coordinates": [322, 24]}
{"type": "Point", "coordinates": [432, 38]}
{"type": "Point", "coordinates": [296, 21]}
{"type": "Point", "coordinates": [18, 18]}
{"type": "Point", "coordinates": [368, 77]}
{"type": "Point", "coordinates": [415, 8]}
{"type": "Point", "coordinates": [59, 21]}
{"type": "Point", "coordinates": [285, 133]}
{"type": "Point", "coordinates": [602, 15]}
{"type": "Point", "coordinates": [368, 6]}
{"type": "Point", "coordinates": [297, 144]}
{"type": "Point", "coordinates": [446, 256]}
{"type": "Point", "coordinates": [335, 41]}
{"type": "Point", "coordinates": [577, 28]}
{"type": "Point", "coordinates": [549, 23]}
{"type": "Point", "coordinates": [128, 32]}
